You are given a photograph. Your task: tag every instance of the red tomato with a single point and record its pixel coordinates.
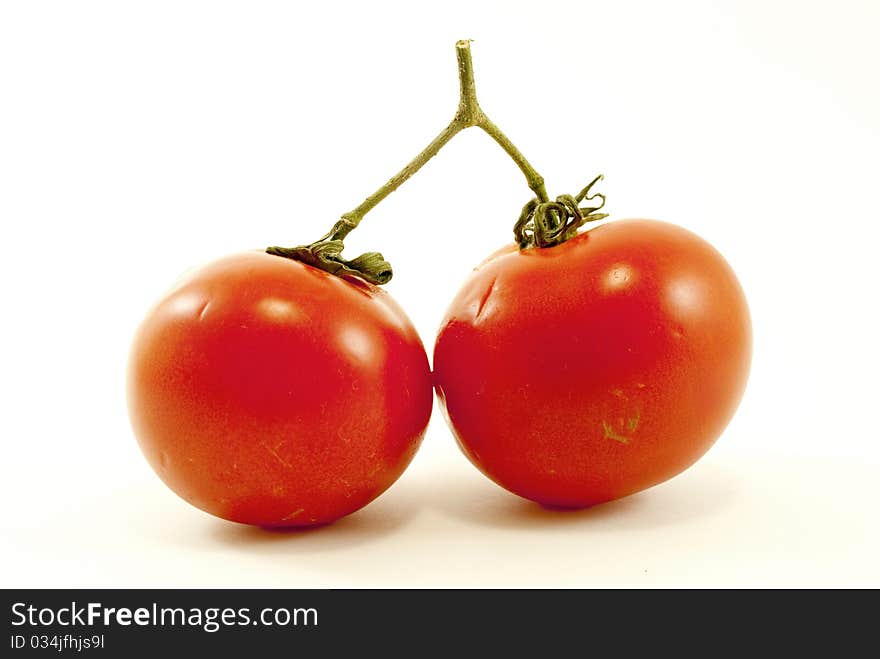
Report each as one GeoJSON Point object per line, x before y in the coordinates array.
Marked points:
{"type": "Point", "coordinates": [582, 373]}
{"type": "Point", "coordinates": [268, 392]}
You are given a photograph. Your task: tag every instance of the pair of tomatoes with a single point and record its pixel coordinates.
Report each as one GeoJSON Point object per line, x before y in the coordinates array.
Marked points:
{"type": "Point", "coordinates": [265, 391]}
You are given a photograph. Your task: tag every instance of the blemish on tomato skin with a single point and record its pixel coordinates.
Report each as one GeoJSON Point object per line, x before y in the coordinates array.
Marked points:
{"type": "Point", "coordinates": [630, 424]}
{"type": "Point", "coordinates": [274, 453]}
{"type": "Point", "coordinates": [633, 422]}
{"type": "Point", "coordinates": [204, 310]}
{"type": "Point", "coordinates": [296, 512]}
{"type": "Point", "coordinates": [485, 298]}
{"type": "Point", "coordinates": [347, 487]}
{"type": "Point", "coordinates": [611, 434]}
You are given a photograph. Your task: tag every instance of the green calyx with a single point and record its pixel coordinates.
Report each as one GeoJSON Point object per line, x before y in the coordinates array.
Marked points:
{"type": "Point", "coordinates": [542, 223]}
{"type": "Point", "coordinates": [327, 255]}
{"type": "Point", "coordinates": [550, 223]}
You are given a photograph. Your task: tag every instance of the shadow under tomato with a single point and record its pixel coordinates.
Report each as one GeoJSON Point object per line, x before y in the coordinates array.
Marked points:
{"type": "Point", "coordinates": [701, 491]}
{"type": "Point", "coordinates": [384, 516]}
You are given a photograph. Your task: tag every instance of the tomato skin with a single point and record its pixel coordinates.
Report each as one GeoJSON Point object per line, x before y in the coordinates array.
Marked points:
{"type": "Point", "coordinates": [585, 372]}
{"type": "Point", "coordinates": [268, 392]}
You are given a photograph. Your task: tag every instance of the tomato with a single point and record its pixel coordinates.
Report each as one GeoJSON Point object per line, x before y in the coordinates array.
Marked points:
{"type": "Point", "coordinates": [265, 391]}
{"type": "Point", "coordinates": [581, 373]}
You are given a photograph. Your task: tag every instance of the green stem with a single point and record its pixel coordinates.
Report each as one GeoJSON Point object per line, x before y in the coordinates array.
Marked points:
{"type": "Point", "coordinates": [326, 252]}
{"type": "Point", "coordinates": [352, 218]}
{"type": "Point", "coordinates": [469, 114]}
{"type": "Point", "coordinates": [533, 178]}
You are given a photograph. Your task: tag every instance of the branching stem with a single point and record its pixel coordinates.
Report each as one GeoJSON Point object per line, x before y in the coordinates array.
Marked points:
{"type": "Point", "coordinates": [326, 252]}
{"type": "Point", "coordinates": [469, 114]}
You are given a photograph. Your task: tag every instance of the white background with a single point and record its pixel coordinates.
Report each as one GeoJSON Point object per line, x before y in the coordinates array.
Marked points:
{"type": "Point", "coordinates": [140, 139]}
